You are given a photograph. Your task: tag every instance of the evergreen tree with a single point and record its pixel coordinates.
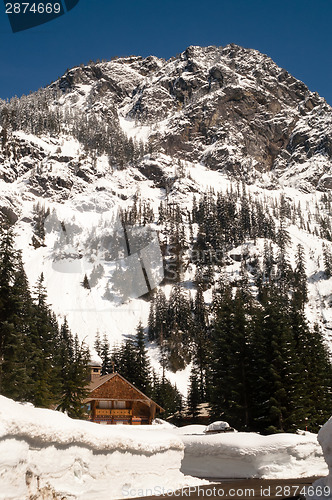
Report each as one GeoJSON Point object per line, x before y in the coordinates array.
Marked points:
{"type": "Point", "coordinates": [74, 361]}
{"type": "Point", "coordinates": [327, 256]}
{"type": "Point", "coordinates": [86, 283]}
{"type": "Point", "coordinates": [142, 380]}
{"type": "Point", "coordinates": [317, 378]}
{"type": "Point", "coordinates": [231, 367]}
{"type": "Point", "coordinates": [105, 354]}
{"type": "Point", "coordinates": [128, 361]}
{"type": "Point", "coordinates": [300, 293]}
{"type": "Point", "coordinates": [97, 344]}
{"type": "Point", "coordinates": [44, 335]}
{"type": "Point", "coordinates": [12, 348]}
{"type": "Point", "coordinates": [167, 396]}
{"type": "Point", "coordinates": [194, 393]}
{"type": "Point", "coordinates": [276, 400]}
{"type": "Point", "coordinates": [16, 356]}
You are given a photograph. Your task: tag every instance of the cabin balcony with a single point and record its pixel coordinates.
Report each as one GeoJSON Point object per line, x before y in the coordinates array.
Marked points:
{"type": "Point", "coordinates": [102, 412]}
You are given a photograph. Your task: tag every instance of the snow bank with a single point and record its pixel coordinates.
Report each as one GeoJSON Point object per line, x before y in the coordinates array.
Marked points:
{"type": "Point", "coordinates": [249, 455]}
{"type": "Point", "coordinates": [45, 453]}
{"type": "Point", "coordinates": [322, 489]}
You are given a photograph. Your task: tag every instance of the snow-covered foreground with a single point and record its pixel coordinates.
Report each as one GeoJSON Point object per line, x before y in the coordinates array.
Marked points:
{"type": "Point", "coordinates": [323, 487]}
{"type": "Point", "coordinates": [45, 454]}
{"type": "Point", "coordinates": [248, 455]}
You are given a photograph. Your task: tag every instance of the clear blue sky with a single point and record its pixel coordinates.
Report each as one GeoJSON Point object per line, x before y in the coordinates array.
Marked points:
{"type": "Point", "coordinates": [296, 34]}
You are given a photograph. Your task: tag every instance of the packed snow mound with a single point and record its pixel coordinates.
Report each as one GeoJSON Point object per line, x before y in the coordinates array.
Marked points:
{"type": "Point", "coordinates": [45, 453]}
{"type": "Point", "coordinates": [163, 424]}
{"type": "Point", "coordinates": [48, 426]}
{"type": "Point", "coordinates": [250, 455]}
{"type": "Point", "coordinates": [322, 489]}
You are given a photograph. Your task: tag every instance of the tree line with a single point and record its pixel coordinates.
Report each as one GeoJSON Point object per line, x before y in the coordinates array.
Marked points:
{"type": "Point", "coordinates": [42, 113]}
{"type": "Point", "coordinates": [40, 361]}
{"type": "Point", "coordinates": [257, 361]}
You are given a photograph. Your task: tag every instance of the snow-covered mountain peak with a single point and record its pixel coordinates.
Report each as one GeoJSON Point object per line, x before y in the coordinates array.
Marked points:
{"type": "Point", "coordinates": [143, 136]}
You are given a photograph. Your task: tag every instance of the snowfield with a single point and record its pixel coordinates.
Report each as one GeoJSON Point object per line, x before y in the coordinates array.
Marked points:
{"type": "Point", "coordinates": [324, 484]}
{"type": "Point", "coordinates": [92, 214]}
{"type": "Point", "coordinates": [47, 454]}
{"type": "Point", "coordinates": [249, 455]}
{"type": "Point", "coordinates": [46, 451]}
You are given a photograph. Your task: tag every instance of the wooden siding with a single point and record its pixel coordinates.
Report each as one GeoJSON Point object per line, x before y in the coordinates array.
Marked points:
{"type": "Point", "coordinates": [114, 400]}
{"type": "Point", "coordinates": [118, 389]}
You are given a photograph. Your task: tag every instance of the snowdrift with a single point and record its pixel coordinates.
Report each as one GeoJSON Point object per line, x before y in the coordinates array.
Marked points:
{"type": "Point", "coordinates": [322, 489]}
{"type": "Point", "coordinates": [250, 455]}
{"type": "Point", "coordinates": [45, 453]}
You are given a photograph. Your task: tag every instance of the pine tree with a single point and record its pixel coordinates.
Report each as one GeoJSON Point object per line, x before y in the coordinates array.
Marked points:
{"type": "Point", "coordinates": [97, 343]}
{"type": "Point", "coordinates": [284, 271]}
{"type": "Point", "coordinates": [277, 361]}
{"type": "Point", "coordinates": [327, 256]}
{"type": "Point", "coordinates": [44, 336]}
{"type": "Point", "coordinates": [152, 319]}
{"type": "Point", "coordinates": [86, 283]}
{"type": "Point", "coordinates": [18, 349]}
{"type": "Point", "coordinates": [202, 348]}
{"type": "Point", "coordinates": [105, 354]}
{"type": "Point", "coordinates": [231, 366]}
{"type": "Point", "coordinates": [74, 358]}
{"type": "Point", "coordinates": [194, 392]}
{"type": "Point", "coordinates": [168, 397]}
{"type": "Point", "coordinates": [300, 293]}
{"type": "Point", "coordinates": [222, 362]}
{"type": "Point", "coordinates": [10, 339]}
{"type": "Point", "coordinates": [318, 378]}
{"type": "Point", "coordinates": [128, 361]}
{"type": "Point", "coordinates": [142, 380]}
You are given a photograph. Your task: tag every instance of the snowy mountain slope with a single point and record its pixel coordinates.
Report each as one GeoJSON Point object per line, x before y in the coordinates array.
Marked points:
{"type": "Point", "coordinates": [208, 118]}
{"type": "Point", "coordinates": [95, 211]}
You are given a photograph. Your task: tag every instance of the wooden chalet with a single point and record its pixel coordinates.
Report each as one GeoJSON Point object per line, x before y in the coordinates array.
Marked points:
{"type": "Point", "coordinates": [114, 400]}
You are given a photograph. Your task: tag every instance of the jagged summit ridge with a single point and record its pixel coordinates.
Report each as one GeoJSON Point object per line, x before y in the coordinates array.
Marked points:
{"type": "Point", "coordinates": [229, 107]}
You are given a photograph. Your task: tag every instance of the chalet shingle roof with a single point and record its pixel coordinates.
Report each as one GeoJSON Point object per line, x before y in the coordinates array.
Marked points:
{"type": "Point", "coordinates": [100, 381]}
{"type": "Point", "coordinates": [95, 384]}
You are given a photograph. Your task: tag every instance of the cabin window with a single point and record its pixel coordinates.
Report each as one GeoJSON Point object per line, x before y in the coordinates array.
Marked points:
{"type": "Point", "coordinates": [119, 404]}
{"type": "Point", "coordinates": [105, 404]}
{"type": "Point", "coordinates": [96, 370]}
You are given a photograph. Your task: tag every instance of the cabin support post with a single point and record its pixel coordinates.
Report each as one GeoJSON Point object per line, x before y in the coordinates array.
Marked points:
{"type": "Point", "coordinates": [93, 410]}
{"type": "Point", "coordinates": [152, 412]}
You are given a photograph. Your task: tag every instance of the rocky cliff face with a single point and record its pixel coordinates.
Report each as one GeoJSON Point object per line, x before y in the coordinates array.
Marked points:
{"type": "Point", "coordinates": [230, 108]}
